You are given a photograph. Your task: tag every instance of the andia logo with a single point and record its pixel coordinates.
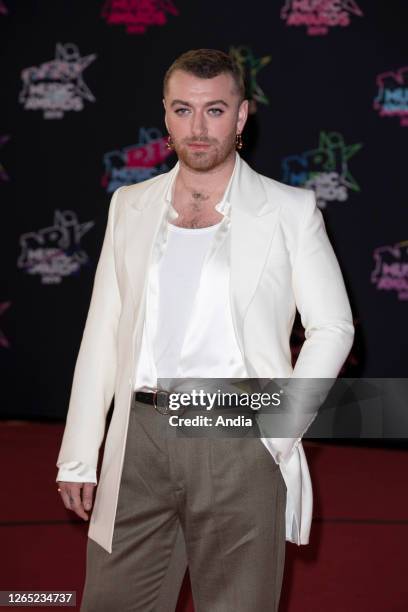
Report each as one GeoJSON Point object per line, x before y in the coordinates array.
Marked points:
{"type": "Point", "coordinates": [249, 66]}
{"type": "Point", "coordinates": [319, 15]}
{"type": "Point", "coordinates": [324, 169]}
{"type": "Point", "coordinates": [391, 269]}
{"type": "Point", "coordinates": [3, 173]}
{"type": "Point", "coordinates": [137, 162]}
{"type": "Point", "coordinates": [392, 95]}
{"type": "Point", "coordinates": [57, 86]}
{"type": "Point", "coordinates": [54, 252]}
{"type": "Point", "coordinates": [138, 15]}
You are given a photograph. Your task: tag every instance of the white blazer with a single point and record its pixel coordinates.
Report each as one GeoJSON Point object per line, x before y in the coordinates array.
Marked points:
{"type": "Point", "coordinates": [281, 259]}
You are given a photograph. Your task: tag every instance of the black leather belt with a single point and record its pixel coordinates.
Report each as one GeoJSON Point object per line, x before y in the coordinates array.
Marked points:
{"type": "Point", "coordinates": [158, 398]}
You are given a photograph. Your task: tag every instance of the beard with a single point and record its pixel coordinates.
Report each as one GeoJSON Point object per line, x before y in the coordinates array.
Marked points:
{"type": "Point", "coordinates": [207, 159]}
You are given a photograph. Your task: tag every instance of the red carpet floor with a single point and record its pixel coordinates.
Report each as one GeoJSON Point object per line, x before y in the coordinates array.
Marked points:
{"type": "Point", "coordinates": [356, 560]}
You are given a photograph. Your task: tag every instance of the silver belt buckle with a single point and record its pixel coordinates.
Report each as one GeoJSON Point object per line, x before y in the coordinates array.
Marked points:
{"type": "Point", "coordinates": [161, 409]}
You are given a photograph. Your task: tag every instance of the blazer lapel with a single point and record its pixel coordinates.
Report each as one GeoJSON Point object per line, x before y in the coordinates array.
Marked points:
{"type": "Point", "coordinates": [254, 220]}
{"type": "Point", "coordinates": [143, 221]}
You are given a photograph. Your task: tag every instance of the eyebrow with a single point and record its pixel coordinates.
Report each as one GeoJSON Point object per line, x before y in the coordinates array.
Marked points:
{"type": "Point", "coordinates": [212, 103]}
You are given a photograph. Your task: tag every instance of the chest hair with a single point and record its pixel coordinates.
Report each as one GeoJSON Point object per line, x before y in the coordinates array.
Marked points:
{"type": "Point", "coordinates": [198, 211]}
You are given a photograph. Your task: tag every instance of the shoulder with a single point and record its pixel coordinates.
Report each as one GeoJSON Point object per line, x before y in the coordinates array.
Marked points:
{"type": "Point", "coordinates": [129, 192]}
{"type": "Point", "coordinates": [129, 195]}
{"type": "Point", "coordinates": [297, 206]}
{"type": "Point", "coordinates": [294, 201]}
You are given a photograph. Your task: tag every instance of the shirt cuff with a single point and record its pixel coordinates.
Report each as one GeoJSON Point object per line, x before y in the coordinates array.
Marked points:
{"type": "Point", "coordinates": [75, 471]}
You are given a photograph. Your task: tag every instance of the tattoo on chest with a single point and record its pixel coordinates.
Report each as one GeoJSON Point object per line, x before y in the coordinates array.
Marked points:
{"type": "Point", "coordinates": [198, 200]}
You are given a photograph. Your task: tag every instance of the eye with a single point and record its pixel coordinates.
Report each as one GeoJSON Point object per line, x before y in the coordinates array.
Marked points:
{"type": "Point", "coordinates": [217, 111]}
{"type": "Point", "coordinates": [180, 109]}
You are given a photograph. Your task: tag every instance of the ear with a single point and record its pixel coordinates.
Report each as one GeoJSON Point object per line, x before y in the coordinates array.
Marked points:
{"type": "Point", "coordinates": [242, 115]}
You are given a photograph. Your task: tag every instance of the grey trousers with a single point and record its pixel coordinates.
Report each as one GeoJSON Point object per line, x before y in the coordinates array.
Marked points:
{"type": "Point", "coordinates": [216, 505]}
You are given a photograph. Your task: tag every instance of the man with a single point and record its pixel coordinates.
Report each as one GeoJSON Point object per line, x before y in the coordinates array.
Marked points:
{"type": "Point", "coordinates": [200, 274]}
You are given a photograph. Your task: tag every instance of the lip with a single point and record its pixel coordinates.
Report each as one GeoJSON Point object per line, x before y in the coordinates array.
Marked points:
{"type": "Point", "coordinates": [199, 145]}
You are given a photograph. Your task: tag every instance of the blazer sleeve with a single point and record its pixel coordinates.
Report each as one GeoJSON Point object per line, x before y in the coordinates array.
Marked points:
{"type": "Point", "coordinates": [325, 312]}
{"type": "Point", "coordinates": [95, 369]}
{"type": "Point", "coordinates": [321, 299]}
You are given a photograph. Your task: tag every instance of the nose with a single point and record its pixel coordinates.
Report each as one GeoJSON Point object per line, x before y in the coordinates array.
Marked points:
{"type": "Point", "coordinates": [198, 125]}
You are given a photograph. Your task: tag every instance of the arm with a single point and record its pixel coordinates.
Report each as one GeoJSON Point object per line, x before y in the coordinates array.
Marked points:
{"type": "Point", "coordinates": [321, 299]}
{"type": "Point", "coordinates": [326, 316]}
{"type": "Point", "coordinates": [95, 369]}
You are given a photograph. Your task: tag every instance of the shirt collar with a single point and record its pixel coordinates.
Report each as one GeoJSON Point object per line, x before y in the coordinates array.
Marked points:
{"type": "Point", "coordinates": [224, 206]}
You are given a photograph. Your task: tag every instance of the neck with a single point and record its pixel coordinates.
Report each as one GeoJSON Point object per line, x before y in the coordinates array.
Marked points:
{"type": "Point", "coordinates": [211, 181]}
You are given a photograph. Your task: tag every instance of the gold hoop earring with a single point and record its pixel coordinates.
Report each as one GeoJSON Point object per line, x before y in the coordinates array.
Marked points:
{"type": "Point", "coordinates": [238, 142]}
{"type": "Point", "coordinates": [169, 143]}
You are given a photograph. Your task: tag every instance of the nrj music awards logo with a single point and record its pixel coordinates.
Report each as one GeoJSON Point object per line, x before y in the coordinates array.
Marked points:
{"type": "Point", "coordinates": [324, 169]}
{"type": "Point", "coordinates": [249, 66]}
{"type": "Point", "coordinates": [55, 251]}
{"type": "Point", "coordinates": [319, 15]}
{"type": "Point", "coordinates": [57, 86]}
{"type": "Point", "coordinates": [3, 173]}
{"type": "Point", "coordinates": [138, 15]}
{"type": "Point", "coordinates": [137, 162]}
{"type": "Point", "coordinates": [391, 269]}
{"type": "Point", "coordinates": [392, 95]}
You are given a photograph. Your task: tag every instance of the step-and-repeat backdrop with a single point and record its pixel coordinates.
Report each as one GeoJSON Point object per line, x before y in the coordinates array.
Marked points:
{"type": "Point", "coordinates": [81, 114]}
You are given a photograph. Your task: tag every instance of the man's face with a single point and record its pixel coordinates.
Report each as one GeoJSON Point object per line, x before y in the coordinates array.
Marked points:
{"type": "Point", "coordinates": [203, 117]}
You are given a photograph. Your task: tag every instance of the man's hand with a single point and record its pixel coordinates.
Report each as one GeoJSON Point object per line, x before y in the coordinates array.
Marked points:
{"type": "Point", "coordinates": [71, 496]}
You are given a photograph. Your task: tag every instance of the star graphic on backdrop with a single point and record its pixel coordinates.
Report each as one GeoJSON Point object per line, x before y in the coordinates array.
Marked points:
{"type": "Point", "coordinates": [339, 154]}
{"type": "Point", "coordinates": [351, 7]}
{"type": "Point", "coordinates": [249, 66]}
{"type": "Point", "coordinates": [76, 64]}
